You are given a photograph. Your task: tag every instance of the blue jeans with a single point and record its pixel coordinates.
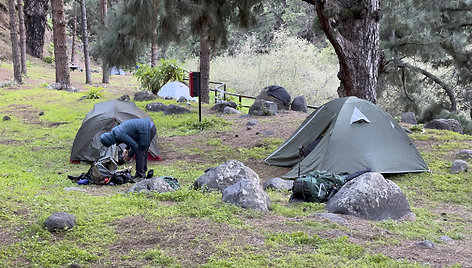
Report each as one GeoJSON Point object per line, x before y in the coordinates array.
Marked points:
{"type": "Point", "coordinates": [141, 156]}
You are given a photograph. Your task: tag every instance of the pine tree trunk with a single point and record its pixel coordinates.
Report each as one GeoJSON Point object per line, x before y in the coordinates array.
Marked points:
{"type": "Point", "coordinates": [105, 68]}
{"type": "Point", "coordinates": [21, 21]}
{"type": "Point", "coordinates": [153, 54]}
{"type": "Point", "coordinates": [35, 21]}
{"type": "Point", "coordinates": [14, 41]}
{"type": "Point", "coordinates": [205, 49]}
{"type": "Point", "coordinates": [60, 43]}
{"type": "Point", "coordinates": [354, 33]}
{"type": "Point", "coordinates": [74, 34]}
{"type": "Point", "coordinates": [154, 49]}
{"type": "Point", "coordinates": [88, 74]}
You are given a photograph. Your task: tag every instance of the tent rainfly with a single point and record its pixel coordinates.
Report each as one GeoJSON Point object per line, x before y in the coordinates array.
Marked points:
{"type": "Point", "coordinates": [347, 135]}
{"type": "Point", "coordinates": [102, 118]}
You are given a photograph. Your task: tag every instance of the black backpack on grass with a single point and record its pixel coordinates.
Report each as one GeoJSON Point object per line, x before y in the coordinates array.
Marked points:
{"type": "Point", "coordinates": [316, 187]}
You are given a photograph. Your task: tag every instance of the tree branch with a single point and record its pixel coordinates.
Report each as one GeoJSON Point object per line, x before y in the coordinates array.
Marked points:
{"type": "Point", "coordinates": [435, 79]}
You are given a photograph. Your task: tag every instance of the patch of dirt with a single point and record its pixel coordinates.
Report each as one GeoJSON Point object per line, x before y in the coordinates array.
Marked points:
{"type": "Point", "coordinates": [190, 241]}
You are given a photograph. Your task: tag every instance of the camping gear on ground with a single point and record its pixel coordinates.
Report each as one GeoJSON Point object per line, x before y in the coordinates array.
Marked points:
{"type": "Point", "coordinates": [104, 172]}
{"type": "Point", "coordinates": [102, 118]}
{"type": "Point", "coordinates": [173, 182]}
{"type": "Point", "coordinates": [352, 134]}
{"type": "Point", "coordinates": [175, 90]}
{"type": "Point", "coordinates": [320, 186]}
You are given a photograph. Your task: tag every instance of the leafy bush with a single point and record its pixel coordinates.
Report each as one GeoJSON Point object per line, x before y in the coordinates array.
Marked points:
{"type": "Point", "coordinates": [48, 59]}
{"type": "Point", "coordinates": [153, 78]}
{"type": "Point", "coordinates": [94, 93]}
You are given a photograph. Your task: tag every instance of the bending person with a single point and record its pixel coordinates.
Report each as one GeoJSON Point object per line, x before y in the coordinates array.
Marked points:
{"type": "Point", "coordinates": [137, 134]}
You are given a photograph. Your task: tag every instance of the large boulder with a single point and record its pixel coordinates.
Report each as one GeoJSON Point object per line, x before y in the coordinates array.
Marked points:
{"type": "Point", "coordinates": [144, 96]}
{"type": "Point", "coordinates": [464, 154]}
{"type": "Point", "coordinates": [156, 107]}
{"type": "Point", "coordinates": [459, 165]}
{"type": "Point", "coordinates": [408, 118]}
{"type": "Point", "coordinates": [370, 196]}
{"type": "Point", "coordinates": [263, 107]}
{"type": "Point", "coordinates": [299, 104]}
{"type": "Point", "coordinates": [448, 124]}
{"type": "Point", "coordinates": [220, 107]}
{"type": "Point", "coordinates": [276, 94]}
{"type": "Point", "coordinates": [59, 221]}
{"type": "Point", "coordinates": [224, 175]}
{"type": "Point", "coordinates": [175, 109]}
{"type": "Point", "coordinates": [278, 184]}
{"type": "Point", "coordinates": [247, 193]}
{"type": "Point", "coordinates": [151, 185]}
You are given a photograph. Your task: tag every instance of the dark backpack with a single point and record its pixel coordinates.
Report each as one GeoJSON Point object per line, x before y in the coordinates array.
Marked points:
{"type": "Point", "coordinates": [102, 171]}
{"type": "Point", "coordinates": [316, 187]}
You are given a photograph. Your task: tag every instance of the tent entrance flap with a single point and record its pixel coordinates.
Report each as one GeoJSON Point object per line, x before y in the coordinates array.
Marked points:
{"type": "Point", "coordinates": [289, 153]}
{"type": "Point", "coordinates": [310, 147]}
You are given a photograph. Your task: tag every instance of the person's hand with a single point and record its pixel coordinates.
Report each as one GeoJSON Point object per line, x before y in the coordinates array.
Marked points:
{"type": "Point", "coordinates": [125, 155]}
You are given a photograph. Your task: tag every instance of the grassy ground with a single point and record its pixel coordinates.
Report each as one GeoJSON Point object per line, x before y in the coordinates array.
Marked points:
{"type": "Point", "coordinates": [188, 228]}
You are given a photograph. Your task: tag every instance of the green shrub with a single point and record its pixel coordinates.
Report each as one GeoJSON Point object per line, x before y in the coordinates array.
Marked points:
{"type": "Point", "coordinates": [48, 59]}
{"type": "Point", "coordinates": [94, 93]}
{"type": "Point", "coordinates": [153, 78]}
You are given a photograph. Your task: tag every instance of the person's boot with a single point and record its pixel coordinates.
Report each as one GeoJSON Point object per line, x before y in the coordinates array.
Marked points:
{"type": "Point", "coordinates": [138, 178]}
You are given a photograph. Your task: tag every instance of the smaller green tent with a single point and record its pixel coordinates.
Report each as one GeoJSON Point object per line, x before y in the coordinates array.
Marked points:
{"type": "Point", "coordinates": [347, 135]}
{"type": "Point", "coordinates": [102, 118]}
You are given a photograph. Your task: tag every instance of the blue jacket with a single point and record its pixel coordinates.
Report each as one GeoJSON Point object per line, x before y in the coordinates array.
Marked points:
{"type": "Point", "coordinates": [133, 132]}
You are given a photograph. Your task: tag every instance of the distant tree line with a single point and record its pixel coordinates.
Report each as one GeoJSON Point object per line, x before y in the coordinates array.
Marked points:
{"type": "Point", "coordinates": [401, 48]}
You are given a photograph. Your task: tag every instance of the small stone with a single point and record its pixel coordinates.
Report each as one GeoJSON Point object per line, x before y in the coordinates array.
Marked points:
{"type": "Point", "coordinates": [458, 166]}
{"type": "Point", "coordinates": [426, 244]}
{"type": "Point", "coordinates": [6, 118]}
{"type": "Point", "coordinates": [252, 122]}
{"type": "Point", "coordinates": [41, 113]}
{"type": "Point", "coordinates": [248, 128]}
{"type": "Point", "coordinates": [446, 239]}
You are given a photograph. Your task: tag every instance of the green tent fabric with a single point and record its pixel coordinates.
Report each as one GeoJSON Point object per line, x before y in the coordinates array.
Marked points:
{"type": "Point", "coordinates": [354, 134]}
{"type": "Point", "coordinates": [102, 118]}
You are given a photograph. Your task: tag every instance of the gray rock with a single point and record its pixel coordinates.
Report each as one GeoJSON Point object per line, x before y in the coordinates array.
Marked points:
{"type": "Point", "coordinates": [408, 118]}
{"type": "Point", "coordinates": [265, 95]}
{"type": "Point", "coordinates": [425, 244]}
{"type": "Point", "coordinates": [278, 184]}
{"type": "Point", "coordinates": [252, 122]}
{"type": "Point", "coordinates": [267, 133]}
{"type": "Point", "coordinates": [175, 109]}
{"type": "Point", "coordinates": [59, 221]}
{"type": "Point", "coordinates": [41, 113]}
{"type": "Point", "coordinates": [182, 99]}
{"type": "Point", "coordinates": [458, 166]}
{"type": "Point", "coordinates": [144, 96]}
{"type": "Point", "coordinates": [55, 86]}
{"type": "Point", "coordinates": [447, 124]}
{"type": "Point", "coordinates": [408, 217]}
{"type": "Point", "coordinates": [247, 193]}
{"type": "Point", "coordinates": [220, 107]}
{"type": "Point", "coordinates": [332, 217]}
{"type": "Point", "coordinates": [446, 239]}
{"type": "Point", "coordinates": [151, 185]}
{"type": "Point", "coordinates": [464, 154]}
{"type": "Point", "coordinates": [124, 98]}
{"type": "Point", "coordinates": [370, 196]}
{"type": "Point", "coordinates": [299, 104]}
{"type": "Point", "coordinates": [231, 110]}
{"type": "Point", "coordinates": [156, 107]}
{"type": "Point", "coordinates": [224, 175]}
{"type": "Point", "coordinates": [6, 118]}
{"type": "Point", "coordinates": [263, 108]}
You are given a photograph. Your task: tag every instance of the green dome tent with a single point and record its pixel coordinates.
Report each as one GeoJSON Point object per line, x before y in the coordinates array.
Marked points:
{"type": "Point", "coordinates": [348, 135]}
{"type": "Point", "coordinates": [102, 118]}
